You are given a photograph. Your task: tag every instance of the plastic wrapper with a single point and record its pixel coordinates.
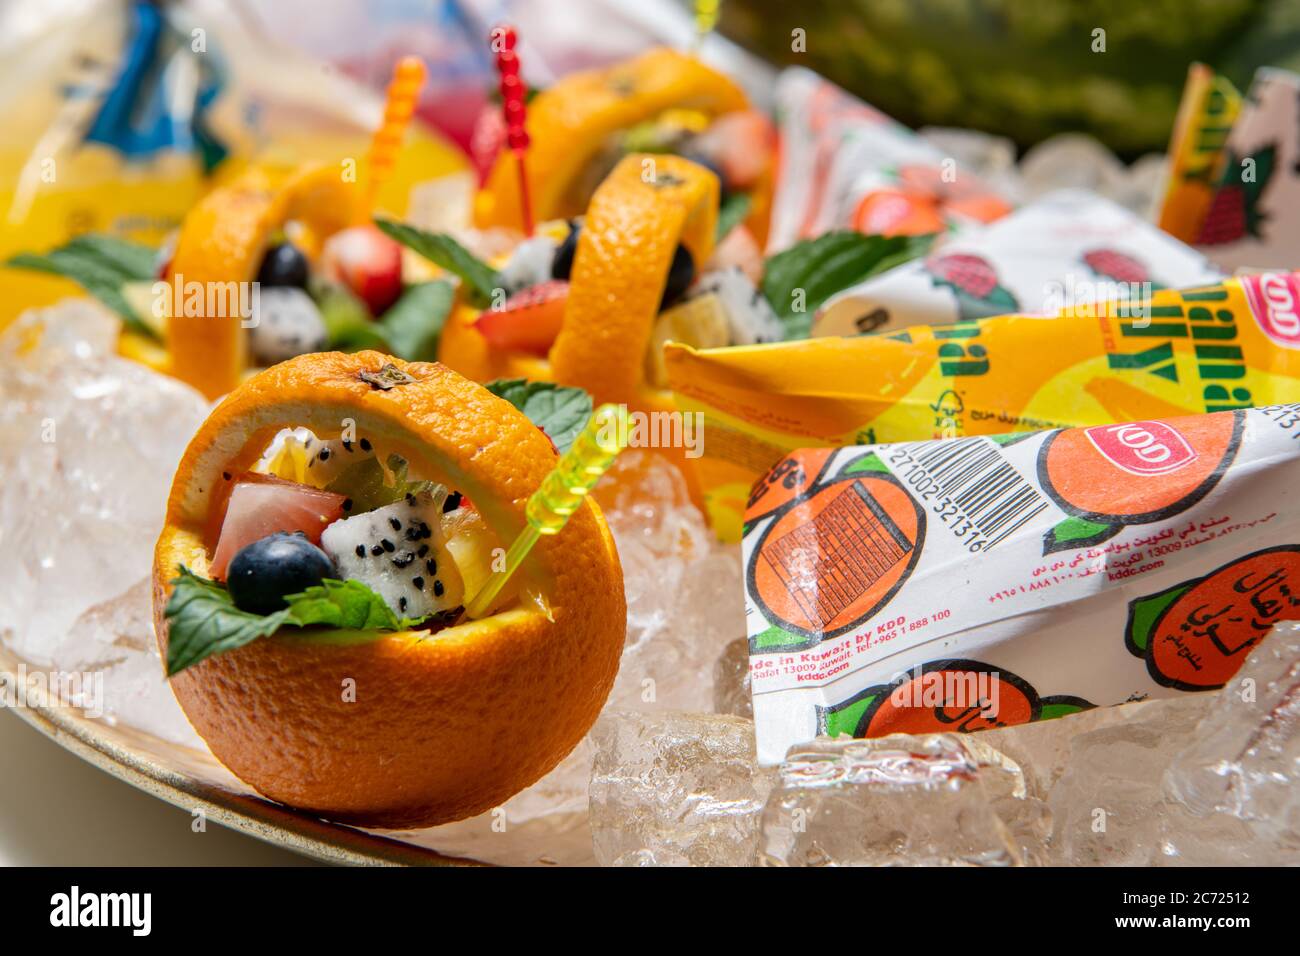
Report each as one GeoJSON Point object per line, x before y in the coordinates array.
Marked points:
{"type": "Point", "coordinates": [1253, 218]}
{"type": "Point", "coordinates": [1069, 247]}
{"type": "Point", "coordinates": [1228, 345]}
{"type": "Point", "coordinates": [1196, 150]}
{"type": "Point", "coordinates": [120, 115]}
{"type": "Point", "coordinates": [978, 582]}
{"type": "Point", "coordinates": [846, 165]}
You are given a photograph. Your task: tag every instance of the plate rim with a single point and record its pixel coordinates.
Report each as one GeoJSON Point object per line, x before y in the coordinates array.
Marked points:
{"type": "Point", "coordinates": [93, 741]}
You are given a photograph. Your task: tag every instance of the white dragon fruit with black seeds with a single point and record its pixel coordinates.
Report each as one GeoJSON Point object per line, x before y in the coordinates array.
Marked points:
{"type": "Point", "coordinates": [399, 551]}
{"type": "Point", "coordinates": [528, 265]}
{"type": "Point", "coordinates": [750, 316]}
{"type": "Point", "coordinates": [328, 457]}
{"type": "Point", "coordinates": [297, 454]}
{"type": "Point", "coordinates": [286, 323]}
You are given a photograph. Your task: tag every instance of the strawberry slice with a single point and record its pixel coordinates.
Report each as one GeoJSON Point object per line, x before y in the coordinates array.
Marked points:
{"type": "Point", "coordinates": [367, 262]}
{"type": "Point", "coordinates": [529, 321]}
{"type": "Point", "coordinates": [740, 144]}
{"type": "Point", "coordinates": [262, 504]}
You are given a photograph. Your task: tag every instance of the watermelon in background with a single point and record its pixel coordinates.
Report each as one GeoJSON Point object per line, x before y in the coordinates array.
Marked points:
{"type": "Point", "coordinates": [1026, 70]}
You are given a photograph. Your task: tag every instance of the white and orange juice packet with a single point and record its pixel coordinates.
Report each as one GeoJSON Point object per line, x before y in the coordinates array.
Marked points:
{"type": "Point", "coordinates": [975, 582]}
{"type": "Point", "coordinates": [846, 165]}
{"type": "Point", "coordinates": [1068, 248]}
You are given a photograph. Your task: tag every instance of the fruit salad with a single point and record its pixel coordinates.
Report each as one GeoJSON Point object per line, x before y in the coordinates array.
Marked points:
{"type": "Point", "coordinates": [707, 294]}
{"type": "Point", "coordinates": [580, 128]}
{"type": "Point", "coordinates": [271, 266]}
{"type": "Point", "coordinates": [313, 511]}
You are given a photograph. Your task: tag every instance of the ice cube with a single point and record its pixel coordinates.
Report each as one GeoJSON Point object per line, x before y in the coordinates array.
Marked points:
{"type": "Point", "coordinates": [113, 641]}
{"type": "Point", "coordinates": [1042, 748]}
{"type": "Point", "coordinates": [684, 593]}
{"type": "Point", "coordinates": [74, 329]}
{"type": "Point", "coordinates": [731, 685]}
{"type": "Point", "coordinates": [1107, 805]}
{"type": "Point", "coordinates": [888, 801]}
{"type": "Point", "coordinates": [1244, 760]}
{"type": "Point", "coordinates": [674, 788]}
{"type": "Point", "coordinates": [990, 158]}
{"type": "Point", "coordinates": [88, 446]}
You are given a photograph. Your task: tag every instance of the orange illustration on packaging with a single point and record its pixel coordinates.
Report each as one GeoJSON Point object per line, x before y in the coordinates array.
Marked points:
{"type": "Point", "coordinates": [1214, 348]}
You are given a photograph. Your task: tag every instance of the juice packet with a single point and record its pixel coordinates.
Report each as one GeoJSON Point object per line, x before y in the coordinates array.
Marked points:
{"type": "Point", "coordinates": [1252, 220]}
{"type": "Point", "coordinates": [1071, 245]}
{"type": "Point", "coordinates": [984, 581]}
{"type": "Point", "coordinates": [846, 165]}
{"type": "Point", "coordinates": [1208, 109]}
{"type": "Point", "coordinates": [1222, 346]}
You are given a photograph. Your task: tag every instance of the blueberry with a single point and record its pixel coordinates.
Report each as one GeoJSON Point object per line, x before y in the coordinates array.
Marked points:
{"type": "Point", "coordinates": [283, 264]}
{"type": "Point", "coordinates": [562, 264]}
{"type": "Point", "coordinates": [261, 574]}
{"type": "Point", "coordinates": [680, 276]}
{"type": "Point", "coordinates": [700, 159]}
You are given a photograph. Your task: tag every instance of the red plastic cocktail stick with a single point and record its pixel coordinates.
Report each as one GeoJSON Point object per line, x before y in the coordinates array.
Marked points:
{"type": "Point", "coordinates": [514, 106]}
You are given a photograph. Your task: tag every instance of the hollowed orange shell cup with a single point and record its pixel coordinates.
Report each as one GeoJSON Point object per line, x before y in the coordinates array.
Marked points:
{"type": "Point", "coordinates": [437, 727]}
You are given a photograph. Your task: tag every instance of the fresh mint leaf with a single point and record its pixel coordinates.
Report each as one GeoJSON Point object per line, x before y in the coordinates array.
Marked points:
{"type": "Point", "coordinates": [370, 486]}
{"type": "Point", "coordinates": [348, 326]}
{"type": "Point", "coordinates": [413, 324]}
{"type": "Point", "coordinates": [733, 211]}
{"type": "Point", "coordinates": [799, 280]}
{"type": "Point", "coordinates": [101, 265]}
{"type": "Point", "coordinates": [442, 250]}
{"type": "Point", "coordinates": [347, 604]}
{"type": "Point", "coordinates": [203, 620]}
{"type": "Point", "coordinates": [558, 410]}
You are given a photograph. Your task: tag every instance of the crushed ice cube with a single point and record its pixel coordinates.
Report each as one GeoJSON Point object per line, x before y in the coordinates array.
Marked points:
{"type": "Point", "coordinates": [671, 788]}
{"type": "Point", "coordinates": [1244, 760]}
{"type": "Point", "coordinates": [1079, 161]}
{"type": "Point", "coordinates": [990, 158]}
{"type": "Point", "coordinates": [731, 684]}
{"type": "Point", "coordinates": [684, 595]}
{"type": "Point", "coordinates": [1106, 805]}
{"type": "Point", "coordinates": [890, 801]}
{"type": "Point", "coordinates": [88, 446]}
{"type": "Point", "coordinates": [115, 639]}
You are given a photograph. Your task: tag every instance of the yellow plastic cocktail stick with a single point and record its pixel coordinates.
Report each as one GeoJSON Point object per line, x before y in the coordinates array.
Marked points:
{"type": "Point", "coordinates": [402, 97]}
{"type": "Point", "coordinates": [560, 494]}
{"type": "Point", "coordinates": [706, 18]}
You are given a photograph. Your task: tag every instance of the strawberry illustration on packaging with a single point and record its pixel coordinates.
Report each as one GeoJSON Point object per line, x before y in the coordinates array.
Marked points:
{"type": "Point", "coordinates": [974, 282]}
{"type": "Point", "coordinates": [1252, 219]}
{"type": "Point", "coordinates": [1235, 211]}
{"type": "Point", "coordinates": [1120, 267]}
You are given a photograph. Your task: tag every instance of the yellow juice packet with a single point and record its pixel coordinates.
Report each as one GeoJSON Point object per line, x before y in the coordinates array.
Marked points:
{"type": "Point", "coordinates": [1224, 346]}
{"type": "Point", "coordinates": [1208, 109]}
